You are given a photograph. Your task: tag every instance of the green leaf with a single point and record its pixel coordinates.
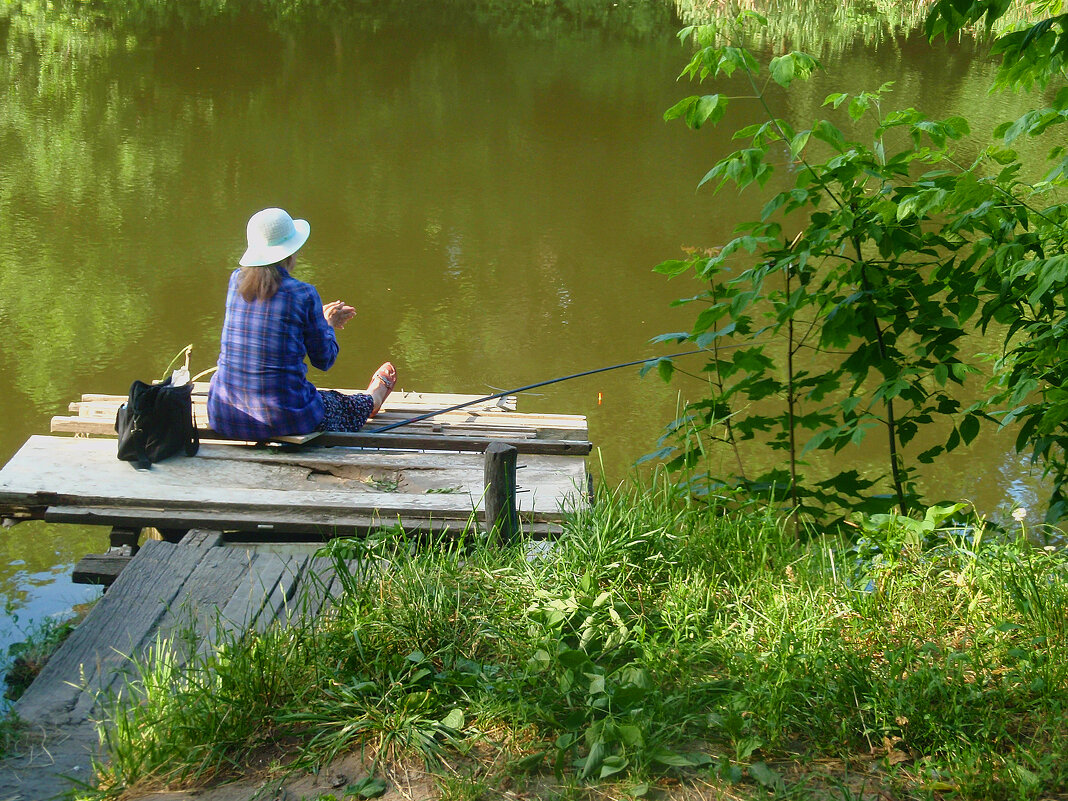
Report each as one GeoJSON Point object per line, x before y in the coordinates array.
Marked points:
{"type": "Point", "coordinates": [680, 108]}
{"type": "Point", "coordinates": [593, 760]}
{"type": "Point", "coordinates": [928, 456]}
{"type": "Point", "coordinates": [1027, 778]}
{"type": "Point", "coordinates": [797, 144]}
{"type": "Point", "coordinates": [937, 515]}
{"type": "Point", "coordinates": [612, 765]}
{"type": "Point", "coordinates": [858, 106]}
{"type": "Point", "coordinates": [766, 776]}
{"type": "Point", "coordinates": [829, 133]}
{"type": "Point", "coordinates": [454, 720]}
{"type": "Point", "coordinates": [665, 368]}
{"type": "Point", "coordinates": [673, 759]}
{"type": "Point", "coordinates": [367, 787]}
{"type": "Point", "coordinates": [707, 108]}
{"type": "Point", "coordinates": [539, 661]}
{"type": "Point", "coordinates": [785, 69]}
{"type": "Point", "coordinates": [629, 734]}
{"type": "Point", "coordinates": [573, 659]}
{"type": "Point", "coordinates": [674, 336]}
{"type": "Point", "coordinates": [953, 440]}
{"type": "Point", "coordinates": [673, 267]}
{"type": "Point", "coordinates": [969, 428]}
{"type": "Point", "coordinates": [708, 318]}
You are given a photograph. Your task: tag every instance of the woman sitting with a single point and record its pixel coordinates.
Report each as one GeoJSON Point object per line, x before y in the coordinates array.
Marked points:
{"type": "Point", "coordinates": [272, 322]}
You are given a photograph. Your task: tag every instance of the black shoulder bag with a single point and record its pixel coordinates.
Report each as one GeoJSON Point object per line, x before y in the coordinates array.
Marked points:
{"type": "Point", "coordinates": [156, 422]}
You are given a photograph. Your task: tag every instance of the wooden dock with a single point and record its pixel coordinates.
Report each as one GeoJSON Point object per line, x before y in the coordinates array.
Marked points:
{"type": "Point", "coordinates": [429, 475]}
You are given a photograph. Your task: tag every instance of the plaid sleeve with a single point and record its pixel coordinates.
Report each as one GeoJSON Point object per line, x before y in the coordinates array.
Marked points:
{"type": "Point", "coordinates": [319, 339]}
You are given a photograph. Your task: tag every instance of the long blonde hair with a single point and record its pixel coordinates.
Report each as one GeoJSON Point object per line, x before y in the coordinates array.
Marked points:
{"type": "Point", "coordinates": [260, 283]}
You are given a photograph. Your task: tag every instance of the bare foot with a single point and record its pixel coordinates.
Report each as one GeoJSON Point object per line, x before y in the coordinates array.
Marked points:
{"type": "Point", "coordinates": [382, 383]}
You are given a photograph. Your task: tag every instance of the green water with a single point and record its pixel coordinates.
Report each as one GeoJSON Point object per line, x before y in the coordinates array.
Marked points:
{"type": "Point", "coordinates": [490, 184]}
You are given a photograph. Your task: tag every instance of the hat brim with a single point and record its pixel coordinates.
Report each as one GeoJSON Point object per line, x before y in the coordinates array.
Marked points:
{"type": "Point", "coordinates": [272, 254]}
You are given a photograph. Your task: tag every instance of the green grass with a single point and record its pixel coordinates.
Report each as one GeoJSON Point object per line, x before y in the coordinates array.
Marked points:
{"type": "Point", "coordinates": [29, 656]}
{"type": "Point", "coordinates": [659, 640]}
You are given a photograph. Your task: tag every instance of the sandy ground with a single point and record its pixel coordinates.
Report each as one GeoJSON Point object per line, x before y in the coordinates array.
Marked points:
{"type": "Point", "coordinates": [404, 785]}
{"type": "Point", "coordinates": [50, 765]}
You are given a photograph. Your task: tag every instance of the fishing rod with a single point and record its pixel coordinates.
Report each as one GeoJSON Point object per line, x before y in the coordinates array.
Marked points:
{"type": "Point", "coordinates": [528, 387]}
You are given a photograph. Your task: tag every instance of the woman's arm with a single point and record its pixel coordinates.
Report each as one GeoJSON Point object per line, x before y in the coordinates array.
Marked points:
{"type": "Point", "coordinates": [319, 339]}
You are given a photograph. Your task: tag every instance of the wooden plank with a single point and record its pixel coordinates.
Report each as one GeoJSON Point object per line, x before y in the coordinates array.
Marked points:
{"type": "Point", "coordinates": [399, 400]}
{"type": "Point", "coordinates": [106, 410]}
{"type": "Point", "coordinates": [99, 568]}
{"type": "Point", "coordinates": [105, 427]}
{"type": "Point", "coordinates": [313, 595]}
{"type": "Point", "coordinates": [495, 419]}
{"type": "Point", "coordinates": [182, 622]}
{"type": "Point", "coordinates": [196, 612]}
{"type": "Point", "coordinates": [321, 458]}
{"type": "Point", "coordinates": [263, 523]}
{"type": "Point", "coordinates": [60, 471]}
{"type": "Point", "coordinates": [285, 598]}
{"type": "Point", "coordinates": [450, 443]}
{"type": "Point", "coordinates": [198, 537]}
{"type": "Point", "coordinates": [117, 625]}
{"type": "Point", "coordinates": [259, 594]}
{"type": "Point", "coordinates": [266, 529]}
{"type": "Point", "coordinates": [511, 425]}
{"type": "Point", "coordinates": [125, 537]}
{"type": "Point", "coordinates": [412, 472]}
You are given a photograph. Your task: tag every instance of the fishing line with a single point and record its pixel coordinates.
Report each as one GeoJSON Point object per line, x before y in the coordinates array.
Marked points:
{"type": "Point", "coordinates": [516, 391]}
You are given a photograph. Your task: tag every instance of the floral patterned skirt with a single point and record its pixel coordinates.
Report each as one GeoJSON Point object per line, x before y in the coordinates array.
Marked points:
{"type": "Point", "coordinates": [345, 412]}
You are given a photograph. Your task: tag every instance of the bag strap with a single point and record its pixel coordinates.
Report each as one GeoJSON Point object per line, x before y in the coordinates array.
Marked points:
{"type": "Point", "coordinates": [193, 445]}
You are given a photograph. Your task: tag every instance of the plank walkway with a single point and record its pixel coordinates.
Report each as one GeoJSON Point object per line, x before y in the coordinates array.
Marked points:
{"type": "Point", "coordinates": [167, 591]}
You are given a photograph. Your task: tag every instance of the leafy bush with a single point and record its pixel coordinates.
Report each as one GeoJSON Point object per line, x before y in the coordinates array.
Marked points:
{"type": "Point", "coordinates": [843, 311]}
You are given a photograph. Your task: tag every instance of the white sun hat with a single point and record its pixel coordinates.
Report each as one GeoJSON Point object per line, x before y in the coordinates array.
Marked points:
{"type": "Point", "coordinates": [272, 236]}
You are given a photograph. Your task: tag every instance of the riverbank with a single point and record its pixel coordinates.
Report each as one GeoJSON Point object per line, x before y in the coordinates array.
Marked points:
{"type": "Point", "coordinates": [660, 645]}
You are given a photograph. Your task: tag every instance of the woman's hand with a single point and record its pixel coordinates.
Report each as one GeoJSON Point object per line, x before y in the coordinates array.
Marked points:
{"type": "Point", "coordinates": [338, 313]}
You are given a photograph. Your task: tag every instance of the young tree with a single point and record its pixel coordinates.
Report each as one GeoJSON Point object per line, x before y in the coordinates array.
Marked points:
{"type": "Point", "coordinates": [884, 255]}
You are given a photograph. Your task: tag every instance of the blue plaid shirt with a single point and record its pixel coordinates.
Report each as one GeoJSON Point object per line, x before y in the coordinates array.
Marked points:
{"type": "Point", "coordinates": [261, 389]}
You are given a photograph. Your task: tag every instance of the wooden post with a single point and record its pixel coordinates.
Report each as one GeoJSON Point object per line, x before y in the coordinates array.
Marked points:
{"type": "Point", "coordinates": [501, 513]}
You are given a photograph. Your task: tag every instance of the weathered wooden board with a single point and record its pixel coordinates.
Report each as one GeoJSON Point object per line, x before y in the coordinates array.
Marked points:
{"type": "Point", "coordinates": [455, 439]}
{"type": "Point", "coordinates": [117, 626]}
{"type": "Point", "coordinates": [183, 594]}
{"type": "Point", "coordinates": [192, 596]}
{"type": "Point", "coordinates": [99, 568]}
{"type": "Point", "coordinates": [268, 526]}
{"type": "Point", "coordinates": [62, 471]}
{"type": "Point", "coordinates": [446, 442]}
{"type": "Point", "coordinates": [511, 424]}
{"type": "Point", "coordinates": [398, 401]}
{"type": "Point", "coordinates": [262, 589]}
{"type": "Point", "coordinates": [104, 412]}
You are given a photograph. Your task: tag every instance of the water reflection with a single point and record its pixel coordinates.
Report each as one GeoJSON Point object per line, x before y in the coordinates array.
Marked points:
{"type": "Point", "coordinates": [489, 183]}
{"type": "Point", "coordinates": [35, 576]}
